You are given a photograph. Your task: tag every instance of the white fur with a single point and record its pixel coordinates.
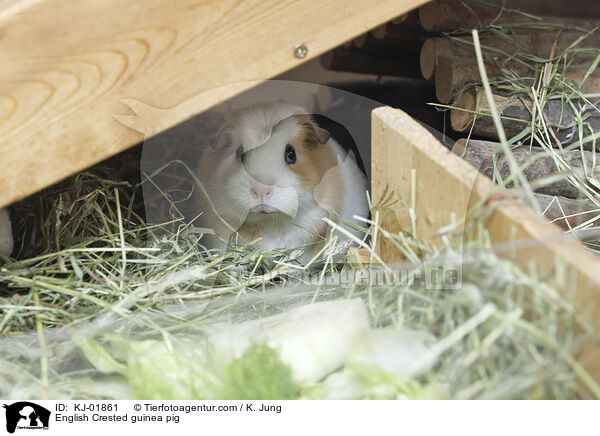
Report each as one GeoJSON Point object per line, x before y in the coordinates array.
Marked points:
{"type": "Point", "coordinates": [264, 131]}
{"type": "Point", "coordinates": [354, 184]}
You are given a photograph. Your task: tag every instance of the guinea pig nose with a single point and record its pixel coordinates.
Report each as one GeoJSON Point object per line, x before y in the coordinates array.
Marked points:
{"type": "Point", "coordinates": [261, 193]}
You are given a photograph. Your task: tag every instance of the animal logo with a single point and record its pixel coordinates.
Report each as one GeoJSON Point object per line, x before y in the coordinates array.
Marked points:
{"type": "Point", "coordinates": [24, 414]}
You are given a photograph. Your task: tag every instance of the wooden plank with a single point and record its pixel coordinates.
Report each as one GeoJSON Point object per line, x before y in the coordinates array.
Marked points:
{"type": "Point", "coordinates": [446, 184]}
{"type": "Point", "coordinates": [66, 64]}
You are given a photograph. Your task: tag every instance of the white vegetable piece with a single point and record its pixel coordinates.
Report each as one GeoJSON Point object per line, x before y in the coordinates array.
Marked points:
{"type": "Point", "coordinates": [6, 236]}
{"type": "Point", "coordinates": [313, 339]}
{"type": "Point", "coordinates": [394, 350]}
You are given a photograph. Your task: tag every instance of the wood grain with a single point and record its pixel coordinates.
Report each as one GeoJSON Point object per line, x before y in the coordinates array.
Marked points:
{"type": "Point", "coordinates": [446, 184]}
{"type": "Point", "coordinates": [67, 64]}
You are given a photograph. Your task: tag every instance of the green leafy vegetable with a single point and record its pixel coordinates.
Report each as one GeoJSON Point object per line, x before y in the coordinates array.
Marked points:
{"type": "Point", "coordinates": [259, 374]}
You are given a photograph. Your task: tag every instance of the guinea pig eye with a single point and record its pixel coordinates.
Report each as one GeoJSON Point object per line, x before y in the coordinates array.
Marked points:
{"type": "Point", "coordinates": [239, 152]}
{"type": "Point", "coordinates": [290, 155]}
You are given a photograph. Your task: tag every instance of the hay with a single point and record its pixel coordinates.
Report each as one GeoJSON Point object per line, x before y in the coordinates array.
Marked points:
{"type": "Point", "coordinates": [547, 81]}
{"type": "Point", "coordinates": [105, 279]}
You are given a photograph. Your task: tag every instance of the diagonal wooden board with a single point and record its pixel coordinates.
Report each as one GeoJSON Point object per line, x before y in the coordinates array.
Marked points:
{"type": "Point", "coordinates": [446, 184]}
{"type": "Point", "coordinates": [66, 64]}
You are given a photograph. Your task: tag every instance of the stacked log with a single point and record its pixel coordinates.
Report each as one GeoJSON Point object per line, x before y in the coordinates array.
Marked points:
{"type": "Point", "coordinates": [516, 46]}
{"type": "Point", "coordinates": [455, 68]}
{"type": "Point", "coordinates": [519, 54]}
{"type": "Point", "coordinates": [356, 60]}
{"type": "Point", "coordinates": [391, 49]}
{"type": "Point", "coordinates": [566, 212]}
{"type": "Point", "coordinates": [450, 15]}
{"type": "Point", "coordinates": [559, 200]}
{"type": "Point", "coordinates": [537, 164]}
{"type": "Point", "coordinates": [560, 118]}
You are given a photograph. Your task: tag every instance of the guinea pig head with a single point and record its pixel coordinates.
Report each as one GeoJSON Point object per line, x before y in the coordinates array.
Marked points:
{"type": "Point", "coordinates": [282, 173]}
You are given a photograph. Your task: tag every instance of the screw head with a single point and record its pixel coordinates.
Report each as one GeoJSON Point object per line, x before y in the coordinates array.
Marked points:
{"type": "Point", "coordinates": [300, 51]}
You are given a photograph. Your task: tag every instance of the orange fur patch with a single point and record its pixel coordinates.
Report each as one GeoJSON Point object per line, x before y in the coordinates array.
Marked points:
{"type": "Point", "coordinates": [313, 160]}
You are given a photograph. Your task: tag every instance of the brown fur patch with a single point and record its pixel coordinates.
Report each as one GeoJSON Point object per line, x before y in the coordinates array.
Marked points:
{"type": "Point", "coordinates": [313, 160]}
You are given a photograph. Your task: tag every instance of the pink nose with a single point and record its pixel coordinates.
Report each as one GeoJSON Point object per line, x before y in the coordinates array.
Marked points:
{"type": "Point", "coordinates": [262, 194]}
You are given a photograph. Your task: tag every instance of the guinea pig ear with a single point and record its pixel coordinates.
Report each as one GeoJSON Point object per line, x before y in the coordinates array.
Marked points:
{"type": "Point", "coordinates": [321, 134]}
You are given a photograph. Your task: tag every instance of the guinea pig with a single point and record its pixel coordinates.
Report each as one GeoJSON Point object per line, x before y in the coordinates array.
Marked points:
{"type": "Point", "coordinates": [273, 174]}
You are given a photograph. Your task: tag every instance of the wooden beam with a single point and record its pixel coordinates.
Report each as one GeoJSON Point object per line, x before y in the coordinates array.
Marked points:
{"type": "Point", "coordinates": [67, 64]}
{"type": "Point", "coordinates": [446, 184]}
